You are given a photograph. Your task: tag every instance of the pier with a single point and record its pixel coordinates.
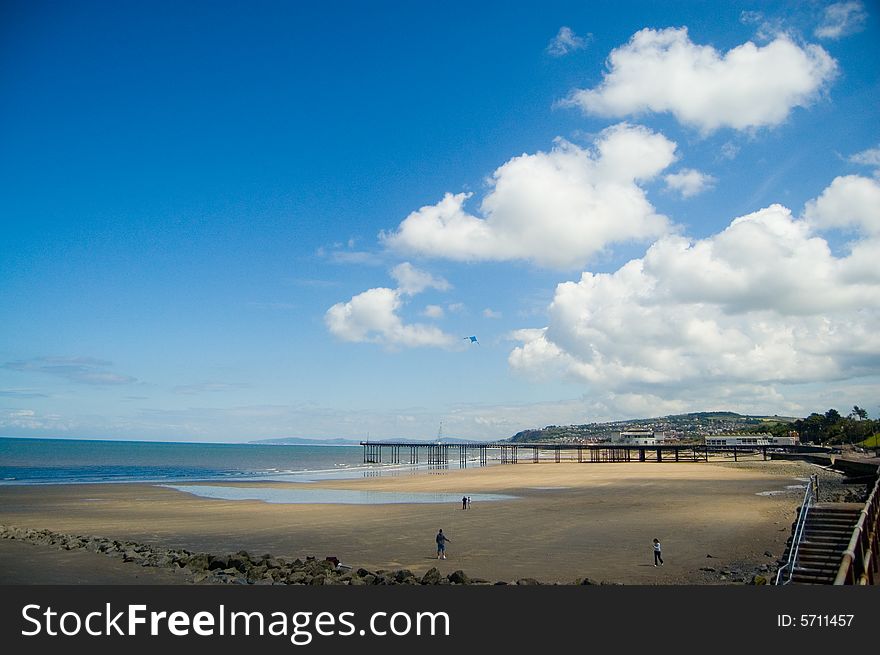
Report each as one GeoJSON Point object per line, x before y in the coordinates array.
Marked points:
{"type": "Point", "coordinates": [439, 454]}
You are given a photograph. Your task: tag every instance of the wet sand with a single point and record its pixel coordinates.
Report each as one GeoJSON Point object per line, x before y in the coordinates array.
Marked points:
{"type": "Point", "coordinates": [568, 521]}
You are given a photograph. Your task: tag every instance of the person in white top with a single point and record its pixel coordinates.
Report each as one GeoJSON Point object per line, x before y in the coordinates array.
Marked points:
{"type": "Point", "coordinates": [657, 555]}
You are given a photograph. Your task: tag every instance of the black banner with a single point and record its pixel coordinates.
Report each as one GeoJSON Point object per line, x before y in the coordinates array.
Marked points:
{"type": "Point", "coordinates": [38, 619]}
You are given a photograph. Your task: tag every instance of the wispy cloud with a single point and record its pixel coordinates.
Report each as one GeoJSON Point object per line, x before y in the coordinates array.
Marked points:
{"type": "Point", "coordinates": [21, 393]}
{"type": "Point", "coordinates": [869, 157]}
{"type": "Point", "coordinates": [338, 255]}
{"type": "Point", "coordinates": [277, 306]}
{"type": "Point", "coordinates": [567, 41]}
{"type": "Point", "coordinates": [83, 370]}
{"type": "Point", "coordinates": [209, 387]}
{"type": "Point", "coordinates": [312, 282]}
{"type": "Point", "coordinates": [842, 19]}
{"type": "Point", "coordinates": [433, 311]}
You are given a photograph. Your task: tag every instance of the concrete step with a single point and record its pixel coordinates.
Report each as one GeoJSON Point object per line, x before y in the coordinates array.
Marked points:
{"type": "Point", "coordinates": [831, 511]}
{"type": "Point", "coordinates": [826, 520]}
{"type": "Point", "coordinates": [819, 548]}
{"type": "Point", "coordinates": [833, 516]}
{"type": "Point", "coordinates": [813, 576]}
{"type": "Point", "coordinates": [818, 561]}
{"type": "Point", "coordinates": [824, 527]}
{"type": "Point", "coordinates": [825, 542]}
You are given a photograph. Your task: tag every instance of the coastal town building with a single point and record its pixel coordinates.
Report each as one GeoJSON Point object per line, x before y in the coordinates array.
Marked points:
{"type": "Point", "coordinates": [639, 437]}
{"type": "Point", "coordinates": [762, 439]}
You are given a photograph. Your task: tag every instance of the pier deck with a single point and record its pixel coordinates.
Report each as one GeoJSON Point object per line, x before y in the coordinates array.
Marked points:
{"type": "Point", "coordinates": [438, 454]}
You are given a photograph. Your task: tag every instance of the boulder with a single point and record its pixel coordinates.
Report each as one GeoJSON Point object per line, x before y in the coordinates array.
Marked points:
{"type": "Point", "coordinates": [218, 562]}
{"type": "Point", "coordinates": [239, 563]}
{"type": "Point", "coordinates": [402, 575]}
{"type": "Point", "coordinates": [297, 577]}
{"type": "Point", "coordinates": [198, 562]}
{"type": "Point", "coordinates": [432, 576]}
{"type": "Point", "coordinates": [458, 577]}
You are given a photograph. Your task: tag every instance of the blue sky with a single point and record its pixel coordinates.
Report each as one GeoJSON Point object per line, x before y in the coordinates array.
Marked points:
{"type": "Point", "coordinates": [233, 221]}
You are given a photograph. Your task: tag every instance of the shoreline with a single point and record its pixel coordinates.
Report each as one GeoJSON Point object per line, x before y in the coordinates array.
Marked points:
{"type": "Point", "coordinates": [569, 521]}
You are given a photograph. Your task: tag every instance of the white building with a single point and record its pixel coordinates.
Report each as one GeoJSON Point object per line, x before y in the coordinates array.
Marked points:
{"type": "Point", "coordinates": [638, 437]}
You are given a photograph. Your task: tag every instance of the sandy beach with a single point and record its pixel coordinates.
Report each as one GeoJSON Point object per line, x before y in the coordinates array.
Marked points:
{"type": "Point", "coordinates": [568, 521]}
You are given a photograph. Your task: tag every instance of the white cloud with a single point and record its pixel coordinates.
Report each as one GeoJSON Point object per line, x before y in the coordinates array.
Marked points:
{"type": "Point", "coordinates": [747, 87]}
{"type": "Point", "coordinates": [841, 19]}
{"type": "Point", "coordinates": [556, 209]}
{"type": "Point", "coordinates": [566, 41]}
{"type": "Point", "coordinates": [491, 313]}
{"type": "Point", "coordinates": [851, 201]}
{"type": "Point", "coordinates": [411, 280]}
{"type": "Point", "coordinates": [372, 316]}
{"type": "Point", "coordinates": [689, 182]}
{"type": "Point", "coordinates": [761, 305]}
{"type": "Point", "coordinates": [433, 311]}
{"type": "Point", "coordinates": [869, 157]}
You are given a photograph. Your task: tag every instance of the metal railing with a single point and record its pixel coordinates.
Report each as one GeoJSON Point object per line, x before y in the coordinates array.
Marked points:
{"type": "Point", "coordinates": [860, 559]}
{"type": "Point", "coordinates": [785, 572]}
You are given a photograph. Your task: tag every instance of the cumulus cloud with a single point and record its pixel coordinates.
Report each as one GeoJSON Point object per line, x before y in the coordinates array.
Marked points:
{"type": "Point", "coordinates": [491, 313]}
{"type": "Point", "coordinates": [842, 19]}
{"type": "Point", "coordinates": [851, 201]}
{"type": "Point", "coordinates": [372, 316]}
{"type": "Point", "coordinates": [763, 303]}
{"type": "Point", "coordinates": [556, 208]}
{"type": "Point", "coordinates": [747, 87]}
{"type": "Point", "coordinates": [566, 41]}
{"type": "Point", "coordinates": [689, 182]}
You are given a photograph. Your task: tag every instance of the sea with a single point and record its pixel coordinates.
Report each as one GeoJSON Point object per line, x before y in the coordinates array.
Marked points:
{"type": "Point", "coordinates": [187, 467]}
{"type": "Point", "coordinates": [79, 461]}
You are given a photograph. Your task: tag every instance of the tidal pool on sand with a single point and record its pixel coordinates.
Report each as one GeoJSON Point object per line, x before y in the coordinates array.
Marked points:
{"type": "Point", "coordinates": [325, 496]}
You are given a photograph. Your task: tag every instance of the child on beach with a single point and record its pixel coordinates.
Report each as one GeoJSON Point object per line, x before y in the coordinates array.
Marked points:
{"type": "Point", "coordinates": [441, 545]}
{"type": "Point", "coordinates": [657, 555]}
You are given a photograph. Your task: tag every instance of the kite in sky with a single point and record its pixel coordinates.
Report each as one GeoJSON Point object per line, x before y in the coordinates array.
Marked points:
{"type": "Point", "coordinates": [473, 340]}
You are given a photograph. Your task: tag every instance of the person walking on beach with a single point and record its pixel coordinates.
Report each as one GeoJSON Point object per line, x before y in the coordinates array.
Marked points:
{"type": "Point", "coordinates": [657, 555]}
{"type": "Point", "coordinates": [464, 502]}
{"type": "Point", "coordinates": [441, 545]}
{"type": "Point", "coordinates": [468, 502]}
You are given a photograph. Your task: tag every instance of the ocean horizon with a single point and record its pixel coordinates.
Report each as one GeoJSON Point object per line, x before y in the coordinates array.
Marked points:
{"type": "Point", "coordinates": [29, 461]}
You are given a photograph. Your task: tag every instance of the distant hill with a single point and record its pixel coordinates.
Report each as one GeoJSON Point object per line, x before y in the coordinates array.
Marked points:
{"type": "Point", "coordinates": [682, 426]}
